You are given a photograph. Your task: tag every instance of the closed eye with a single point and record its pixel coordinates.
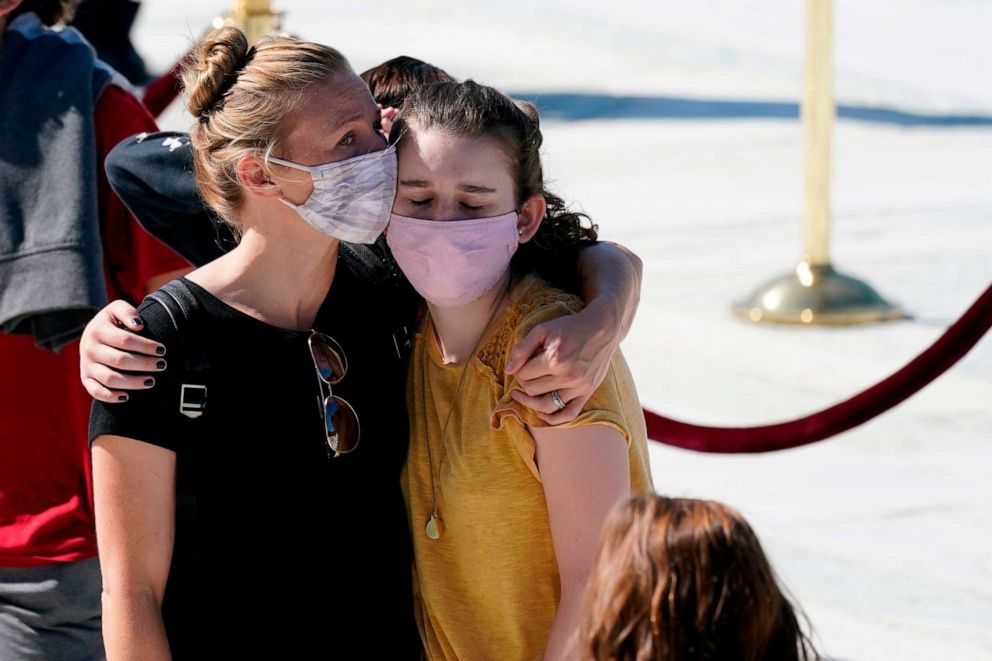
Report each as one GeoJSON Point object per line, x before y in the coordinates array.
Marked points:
{"type": "Point", "coordinates": [420, 203]}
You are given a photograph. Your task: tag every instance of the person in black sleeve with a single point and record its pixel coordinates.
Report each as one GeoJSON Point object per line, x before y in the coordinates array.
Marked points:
{"type": "Point", "coordinates": [153, 174]}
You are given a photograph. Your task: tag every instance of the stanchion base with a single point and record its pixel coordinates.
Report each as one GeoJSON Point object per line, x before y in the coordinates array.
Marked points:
{"type": "Point", "coordinates": [817, 295]}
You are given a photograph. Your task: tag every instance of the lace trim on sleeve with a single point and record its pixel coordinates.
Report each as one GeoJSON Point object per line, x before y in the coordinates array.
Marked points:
{"type": "Point", "coordinates": [495, 352]}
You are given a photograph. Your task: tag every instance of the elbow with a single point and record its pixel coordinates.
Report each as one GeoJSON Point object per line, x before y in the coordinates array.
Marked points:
{"type": "Point", "coordinates": [126, 609]}
{"type": "Point", "coordinates": [637, 272]}
{"type": "Point", "coordinates": [116, 167]}
{"type": "Point", "coordinates": [637, 265]}
{"type": "Point", "coordinates": [123, 588]}
{"type": "Point", "coordinates": [634, 270]}
{"type": "Point", "coordinates": [124, 606]}
{"type": "Point", "coordinates": [111, 596]}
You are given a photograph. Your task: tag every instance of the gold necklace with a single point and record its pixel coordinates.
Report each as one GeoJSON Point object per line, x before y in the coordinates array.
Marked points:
{"type": "Point", "coordinates": [435, 524]}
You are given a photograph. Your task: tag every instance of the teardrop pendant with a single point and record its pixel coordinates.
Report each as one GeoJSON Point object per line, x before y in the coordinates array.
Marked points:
{"type": "Point", "coordinates": [435, 527]}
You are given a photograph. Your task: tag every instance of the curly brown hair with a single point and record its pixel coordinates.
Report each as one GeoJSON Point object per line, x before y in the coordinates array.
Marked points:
{"type": "Point", "coordinates": [471, 109]}
{"type": "Point", "coordinates": [678, 578]}
{"type": "Point", "coordinates": [51, 12]}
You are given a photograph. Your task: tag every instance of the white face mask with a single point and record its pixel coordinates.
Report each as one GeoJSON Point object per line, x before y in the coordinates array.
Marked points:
{"type": "Point", "coordinates": [351, 199]}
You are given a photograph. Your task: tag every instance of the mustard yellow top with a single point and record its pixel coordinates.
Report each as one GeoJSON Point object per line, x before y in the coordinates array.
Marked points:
{"type": "Point", "coordinates": [489, 587]}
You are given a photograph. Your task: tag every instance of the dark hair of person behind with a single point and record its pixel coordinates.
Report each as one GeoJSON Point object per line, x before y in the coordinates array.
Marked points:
{"type": "Point", "coordinates": [51, 12]}
{"type": "Point", "coordinates": [470, 109]}
{"type": "Point", "coordinates": [678, 578]}
{"type": "Point", "coordinates": [393, 80]}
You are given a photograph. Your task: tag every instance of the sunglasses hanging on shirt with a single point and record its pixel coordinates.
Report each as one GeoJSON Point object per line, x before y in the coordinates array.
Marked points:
{"type": "Point", "coordinates": [340, 420]}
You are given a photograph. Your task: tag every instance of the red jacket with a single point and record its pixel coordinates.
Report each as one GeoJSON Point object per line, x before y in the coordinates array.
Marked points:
{"type": "Point", "coordinates": [46, 501]}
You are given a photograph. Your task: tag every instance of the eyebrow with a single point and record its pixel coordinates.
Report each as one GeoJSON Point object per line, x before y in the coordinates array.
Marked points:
{"type": "Point", "coordinates": [340, 127]}
{"type": "Point", "coordinates": [467, 188]}
{"type": "Point", "coordinates": [354, 118]}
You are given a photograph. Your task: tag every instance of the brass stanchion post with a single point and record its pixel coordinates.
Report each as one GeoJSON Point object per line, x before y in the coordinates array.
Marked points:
{"type": "Point", "coordinates": [253, 17]}
{"type": "Point", "coordinates": [815, 293]}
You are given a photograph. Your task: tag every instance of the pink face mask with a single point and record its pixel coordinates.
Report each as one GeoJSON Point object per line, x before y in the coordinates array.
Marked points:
{"type": "Point", "coordinates": [453, 262]}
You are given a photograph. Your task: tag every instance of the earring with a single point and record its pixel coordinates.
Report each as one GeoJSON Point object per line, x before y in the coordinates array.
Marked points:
{"type": "Point", "coordinates": [520, 232]}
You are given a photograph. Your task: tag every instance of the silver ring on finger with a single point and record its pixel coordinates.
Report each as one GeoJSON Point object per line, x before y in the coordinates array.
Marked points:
{"type": "Point", "coordinates": [556, 398]}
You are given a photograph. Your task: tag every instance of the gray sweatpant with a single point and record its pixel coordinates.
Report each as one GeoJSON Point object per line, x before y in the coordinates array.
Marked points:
{"type": "Point", "coordinates": [51, 613]}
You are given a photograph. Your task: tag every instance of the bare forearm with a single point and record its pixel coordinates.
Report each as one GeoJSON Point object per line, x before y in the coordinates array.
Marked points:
{"type": "Point", "coordinates": [133, 628]}
{"type": "Point", "coordinates": [611, 284]}
{"type": "Point", "coordinates": [134, 495]}
{"type": "Point", "coordinates": [564, 643]}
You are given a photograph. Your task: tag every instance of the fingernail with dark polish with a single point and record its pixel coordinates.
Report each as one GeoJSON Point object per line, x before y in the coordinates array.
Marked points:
{"type": "Point", "coordinates": [122, 398]}
{"type": "Point", "coordinates": [149, 383]}
{"type": "Point", "coordinates": [159, 351]}
{"type": "Point", "coordinates": [135, 321]}
{"type": "Point", "coordinates": [160, 364]}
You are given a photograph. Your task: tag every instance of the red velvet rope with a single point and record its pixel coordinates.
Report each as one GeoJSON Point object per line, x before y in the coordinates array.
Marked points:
{"type": "Point", "coordinates": [938, 358]}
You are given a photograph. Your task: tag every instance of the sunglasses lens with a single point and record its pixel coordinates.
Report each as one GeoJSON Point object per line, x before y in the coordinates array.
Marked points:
{"type": "Point", "coordinates": [341, 423]}
{"type": "Point", "coordinates": [328, 358]}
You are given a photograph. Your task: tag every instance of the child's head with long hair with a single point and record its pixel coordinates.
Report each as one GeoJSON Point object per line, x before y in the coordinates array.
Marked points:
{"type": "Point", "coordinates": [467, 151]}
{"type": "Point", "coordinates": [678, 578]}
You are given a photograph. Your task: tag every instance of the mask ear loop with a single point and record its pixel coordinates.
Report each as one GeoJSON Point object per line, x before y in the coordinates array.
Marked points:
{"type": "Point", "coordinates": [295, 166]}
{"type": "Point", "coordinates": [290, 164]}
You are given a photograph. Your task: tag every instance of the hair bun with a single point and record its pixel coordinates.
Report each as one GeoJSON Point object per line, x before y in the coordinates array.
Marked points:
{"type": "Point", "coordinates": [221, 56]}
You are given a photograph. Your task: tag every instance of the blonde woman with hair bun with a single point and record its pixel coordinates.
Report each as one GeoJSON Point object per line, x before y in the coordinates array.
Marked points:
{"type": "Point", "coordinates": [284, 551]}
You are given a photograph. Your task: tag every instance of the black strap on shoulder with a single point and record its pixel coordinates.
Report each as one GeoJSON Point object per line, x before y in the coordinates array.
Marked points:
{"type": "Point", "coordinates": [186, 315]}
{"type": "Point", "coordinates": [375, 265]}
